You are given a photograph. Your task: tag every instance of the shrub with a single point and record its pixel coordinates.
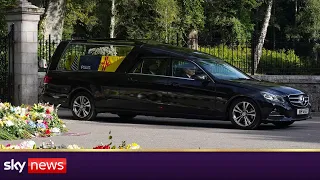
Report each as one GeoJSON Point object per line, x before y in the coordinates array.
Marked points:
{"type": "Point", "coordinates": [271, 62]}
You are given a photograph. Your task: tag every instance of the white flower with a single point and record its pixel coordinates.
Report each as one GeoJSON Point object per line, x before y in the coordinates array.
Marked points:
{"type": "Point", "coordinates": [15, 147]}
{"type": "Point", "coordinates": [74, 146]}
{"type": "Point", "coordinates": [64, 126]}
{"type": "Point", "coordinates": [55, 130]}
{"type": "Point", "coordinates": [9, 123]}
{"type": "Point", "coordinates": [17, 110]}
{"type": "Point", "coordinates": [43, 115]}
{"type": "Point", "coordinates": [23, 111]}
{"type": "Point", "coordinates": [27, 145]}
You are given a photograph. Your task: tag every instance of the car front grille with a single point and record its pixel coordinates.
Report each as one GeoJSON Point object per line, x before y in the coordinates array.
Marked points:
{"type": "Point", "coordinates": [300, 100]}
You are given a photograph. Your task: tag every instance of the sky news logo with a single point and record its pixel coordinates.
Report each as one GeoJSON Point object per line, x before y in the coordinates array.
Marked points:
{"type": "Point", "coordinates": [38, 165]}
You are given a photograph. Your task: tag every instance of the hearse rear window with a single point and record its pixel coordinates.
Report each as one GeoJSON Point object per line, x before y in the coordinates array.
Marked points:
{"type": "Point", "coordinates": [93, 57]}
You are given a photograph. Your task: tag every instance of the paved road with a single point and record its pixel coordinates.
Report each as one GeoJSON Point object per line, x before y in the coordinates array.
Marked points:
{"type": "Point", "coordinates": [164, 133]}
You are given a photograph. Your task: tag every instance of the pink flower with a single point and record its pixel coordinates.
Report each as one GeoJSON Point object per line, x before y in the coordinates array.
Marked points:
{"type": "Point", "coordinates": [49, 117]}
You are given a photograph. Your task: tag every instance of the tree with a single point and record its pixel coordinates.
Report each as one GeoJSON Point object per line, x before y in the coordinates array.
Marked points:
{"type": "Point", "coordinates": [113, 19]}
{"type": "Point", "coordinates": [192, 20]}
{"type": "Point", "coordinates": [82, 18]}
{"type": "Point", "coordinates": [136, 19]}
{"type": "Point", "coordinates": [168, 11]}
{"type": "Point", "coordinates": [229, 19]}
{"type": "Point", "coordinates": [52, 21]}
{"type": "Point", "coordinates": [5, 5]}
{"type": "Point", "coordinates": [262, 36]}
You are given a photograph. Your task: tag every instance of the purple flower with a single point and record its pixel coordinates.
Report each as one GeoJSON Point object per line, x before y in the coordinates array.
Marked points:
{"type": "Point", "coordinates": [41, 125]}
{"type": "Point", "coordinates": [31, 124]}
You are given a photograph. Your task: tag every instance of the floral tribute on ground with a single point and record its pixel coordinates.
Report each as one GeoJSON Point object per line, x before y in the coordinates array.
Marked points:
{"type": "Point", "coordinates": [39, 120]}
{"type": "Point", "coordinates": [25, 122]}
{"type": "Point", "coordinates": [51, 145]}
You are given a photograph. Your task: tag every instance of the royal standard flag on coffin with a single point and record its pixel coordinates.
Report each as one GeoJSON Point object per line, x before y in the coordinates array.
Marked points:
{"type": "Point", "coordinates": [110, 63]}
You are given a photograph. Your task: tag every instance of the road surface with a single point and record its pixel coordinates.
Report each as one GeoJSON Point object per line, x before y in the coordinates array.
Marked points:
{"type": "Point", "coordinates": [167, 133]}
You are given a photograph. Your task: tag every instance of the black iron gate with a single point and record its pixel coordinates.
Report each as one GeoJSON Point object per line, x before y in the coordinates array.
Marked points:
{"type": "Point", "coordinates": [6, 67]}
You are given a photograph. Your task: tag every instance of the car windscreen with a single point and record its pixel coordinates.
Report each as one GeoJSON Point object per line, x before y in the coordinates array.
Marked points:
{"type": "Point", "coordinates": [222, 70]}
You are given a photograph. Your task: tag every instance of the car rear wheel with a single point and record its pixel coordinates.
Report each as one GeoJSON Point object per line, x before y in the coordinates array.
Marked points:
{"type": "Point", "coordinates": [245, 114]}
{"type": "Point", "coordinates": [82, 106]}
{"type": "Point", "coordinates": [283, 124]}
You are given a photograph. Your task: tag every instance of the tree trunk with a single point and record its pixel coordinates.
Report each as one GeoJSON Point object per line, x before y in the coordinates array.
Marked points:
{"type": "Point", "coordinates": [54, 19]}
{"type": "Point", "coordinates": [113, 19]}
{"type": "Point", "coordinates": [262, 36]}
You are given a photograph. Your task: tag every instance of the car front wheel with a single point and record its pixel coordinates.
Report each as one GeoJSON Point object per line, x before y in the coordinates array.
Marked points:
{"type": "Point", "coordinates": [82, 107]}
{"type": "Point", "coordinates": [245, 114]}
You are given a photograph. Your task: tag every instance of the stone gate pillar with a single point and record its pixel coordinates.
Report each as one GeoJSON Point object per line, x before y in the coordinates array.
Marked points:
{"type": "Point", "coordinates": [25, 18]}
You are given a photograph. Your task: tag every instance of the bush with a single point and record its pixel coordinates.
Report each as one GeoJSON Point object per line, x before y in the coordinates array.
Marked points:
{"type": "Point", "coordinates": [271, 62]}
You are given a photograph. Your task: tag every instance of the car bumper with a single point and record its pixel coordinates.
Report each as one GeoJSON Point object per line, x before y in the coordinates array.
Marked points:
{"type": "Point", "coordinates": [284, 112]}
{"type": "Point", "coordinates": [54, 99]}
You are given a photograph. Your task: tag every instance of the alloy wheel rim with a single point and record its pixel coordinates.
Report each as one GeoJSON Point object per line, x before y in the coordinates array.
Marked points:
{"type": "Point", "coordinates": [81, 106]}
{"type": "Point", "coordinates": [244, 114]}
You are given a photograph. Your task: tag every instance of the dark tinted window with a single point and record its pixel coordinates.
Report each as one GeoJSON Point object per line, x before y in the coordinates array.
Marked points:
{"type": "Point", "coordinates": [152, 66]}
{"type": "Point", "coordinates": [185, 69]}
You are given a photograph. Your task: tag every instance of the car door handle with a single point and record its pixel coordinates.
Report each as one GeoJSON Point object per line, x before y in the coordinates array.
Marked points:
{"type": "Point", "coordinates": [175, 84]}
{"type": "Point", "coordinates": [132, 80]}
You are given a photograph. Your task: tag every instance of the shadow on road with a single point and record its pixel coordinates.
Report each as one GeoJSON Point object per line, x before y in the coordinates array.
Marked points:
{"type": "Point", "coordinates": [305, 132]}
{"type": "Point", "coordinates": [174, 122]}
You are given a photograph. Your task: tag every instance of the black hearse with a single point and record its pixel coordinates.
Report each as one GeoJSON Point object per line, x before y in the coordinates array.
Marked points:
{"type": "Point", "coordinates": [131, 78]}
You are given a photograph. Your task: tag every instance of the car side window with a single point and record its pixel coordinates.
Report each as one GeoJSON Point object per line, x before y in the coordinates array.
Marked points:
{"type": "Point", "coordinates": [185, 69]}
{"type": "Point", "coordinates": [70, 59]}
{"type": "Point", "coordinates": [152, 66]}
{"type": "Point", "coordinates": [93, 57]}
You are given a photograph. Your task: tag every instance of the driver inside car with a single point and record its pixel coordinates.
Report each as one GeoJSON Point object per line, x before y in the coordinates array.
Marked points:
{"type": "Point", "coordinates": [190, 71]}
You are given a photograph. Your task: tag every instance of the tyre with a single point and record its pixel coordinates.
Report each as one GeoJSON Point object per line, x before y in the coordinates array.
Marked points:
{"type": "Point", "coordinates": [82, 107]}
{"type": "Point", "coordinates": [126, 116]}
{"type": "Point", "coordinates": [283, 124]}
{"type": "Point", "coordinates": [245, 114]}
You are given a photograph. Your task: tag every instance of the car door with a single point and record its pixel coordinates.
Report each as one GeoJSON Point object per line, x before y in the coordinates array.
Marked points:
{"type": "Point", "coordinates": [144, 88]}
{"type": "Point", "coordinates": [187, 92]}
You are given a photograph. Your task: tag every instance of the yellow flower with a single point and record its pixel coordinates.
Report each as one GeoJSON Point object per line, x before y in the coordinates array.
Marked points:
{"type": "Point", "coordinates": [133, 146]}
{"type": "Point", "coordinates": [1, 124]}
{"type": "Point", "coordinates": [2, 146]}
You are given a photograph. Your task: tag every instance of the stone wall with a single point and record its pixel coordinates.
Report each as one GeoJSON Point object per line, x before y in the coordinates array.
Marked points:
{"type": "Point", "coordinates": [308, 84]}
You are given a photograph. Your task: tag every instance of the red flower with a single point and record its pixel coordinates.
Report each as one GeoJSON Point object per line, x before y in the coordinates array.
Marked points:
{"type": "Point", "coordinates": [48, 111]}
{"type": "Point", "coordinates": [27, 114]}
{"type": "Point", "coordinates": [48, 132]}
{"type": "Point", "coordinates": [46, 124]}
{"type": "Point", "coordinates": [102, 147]}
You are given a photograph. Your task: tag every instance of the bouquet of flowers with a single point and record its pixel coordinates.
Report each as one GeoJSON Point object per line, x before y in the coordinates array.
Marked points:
{"type": "Point", "coordinates": [51, 145]}
{"type": "Point", "coordinates": [24, 122]}
{"type": "Point", "coordinates": [103, 51]}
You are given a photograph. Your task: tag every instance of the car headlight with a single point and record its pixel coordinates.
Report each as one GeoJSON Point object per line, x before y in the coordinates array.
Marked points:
{"type": "Point", "coordinates": [272, 97]}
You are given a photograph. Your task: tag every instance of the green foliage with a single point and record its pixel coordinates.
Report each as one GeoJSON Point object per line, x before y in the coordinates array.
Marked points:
{"type": "Point", "coordinates": [5, 5]}
{"type": "Point", "coordinates": [137, 19]}
{"type": "Point", "coordinates": [81, 17]}
{"type": "Point", "coordinates": [271, 61]}
{"type": "Point", "coordinates": [230, 18]}
{"type": "Point", "coordinates": [168, 17]}
{"type": "Point", "coordinates": [192, 15]}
